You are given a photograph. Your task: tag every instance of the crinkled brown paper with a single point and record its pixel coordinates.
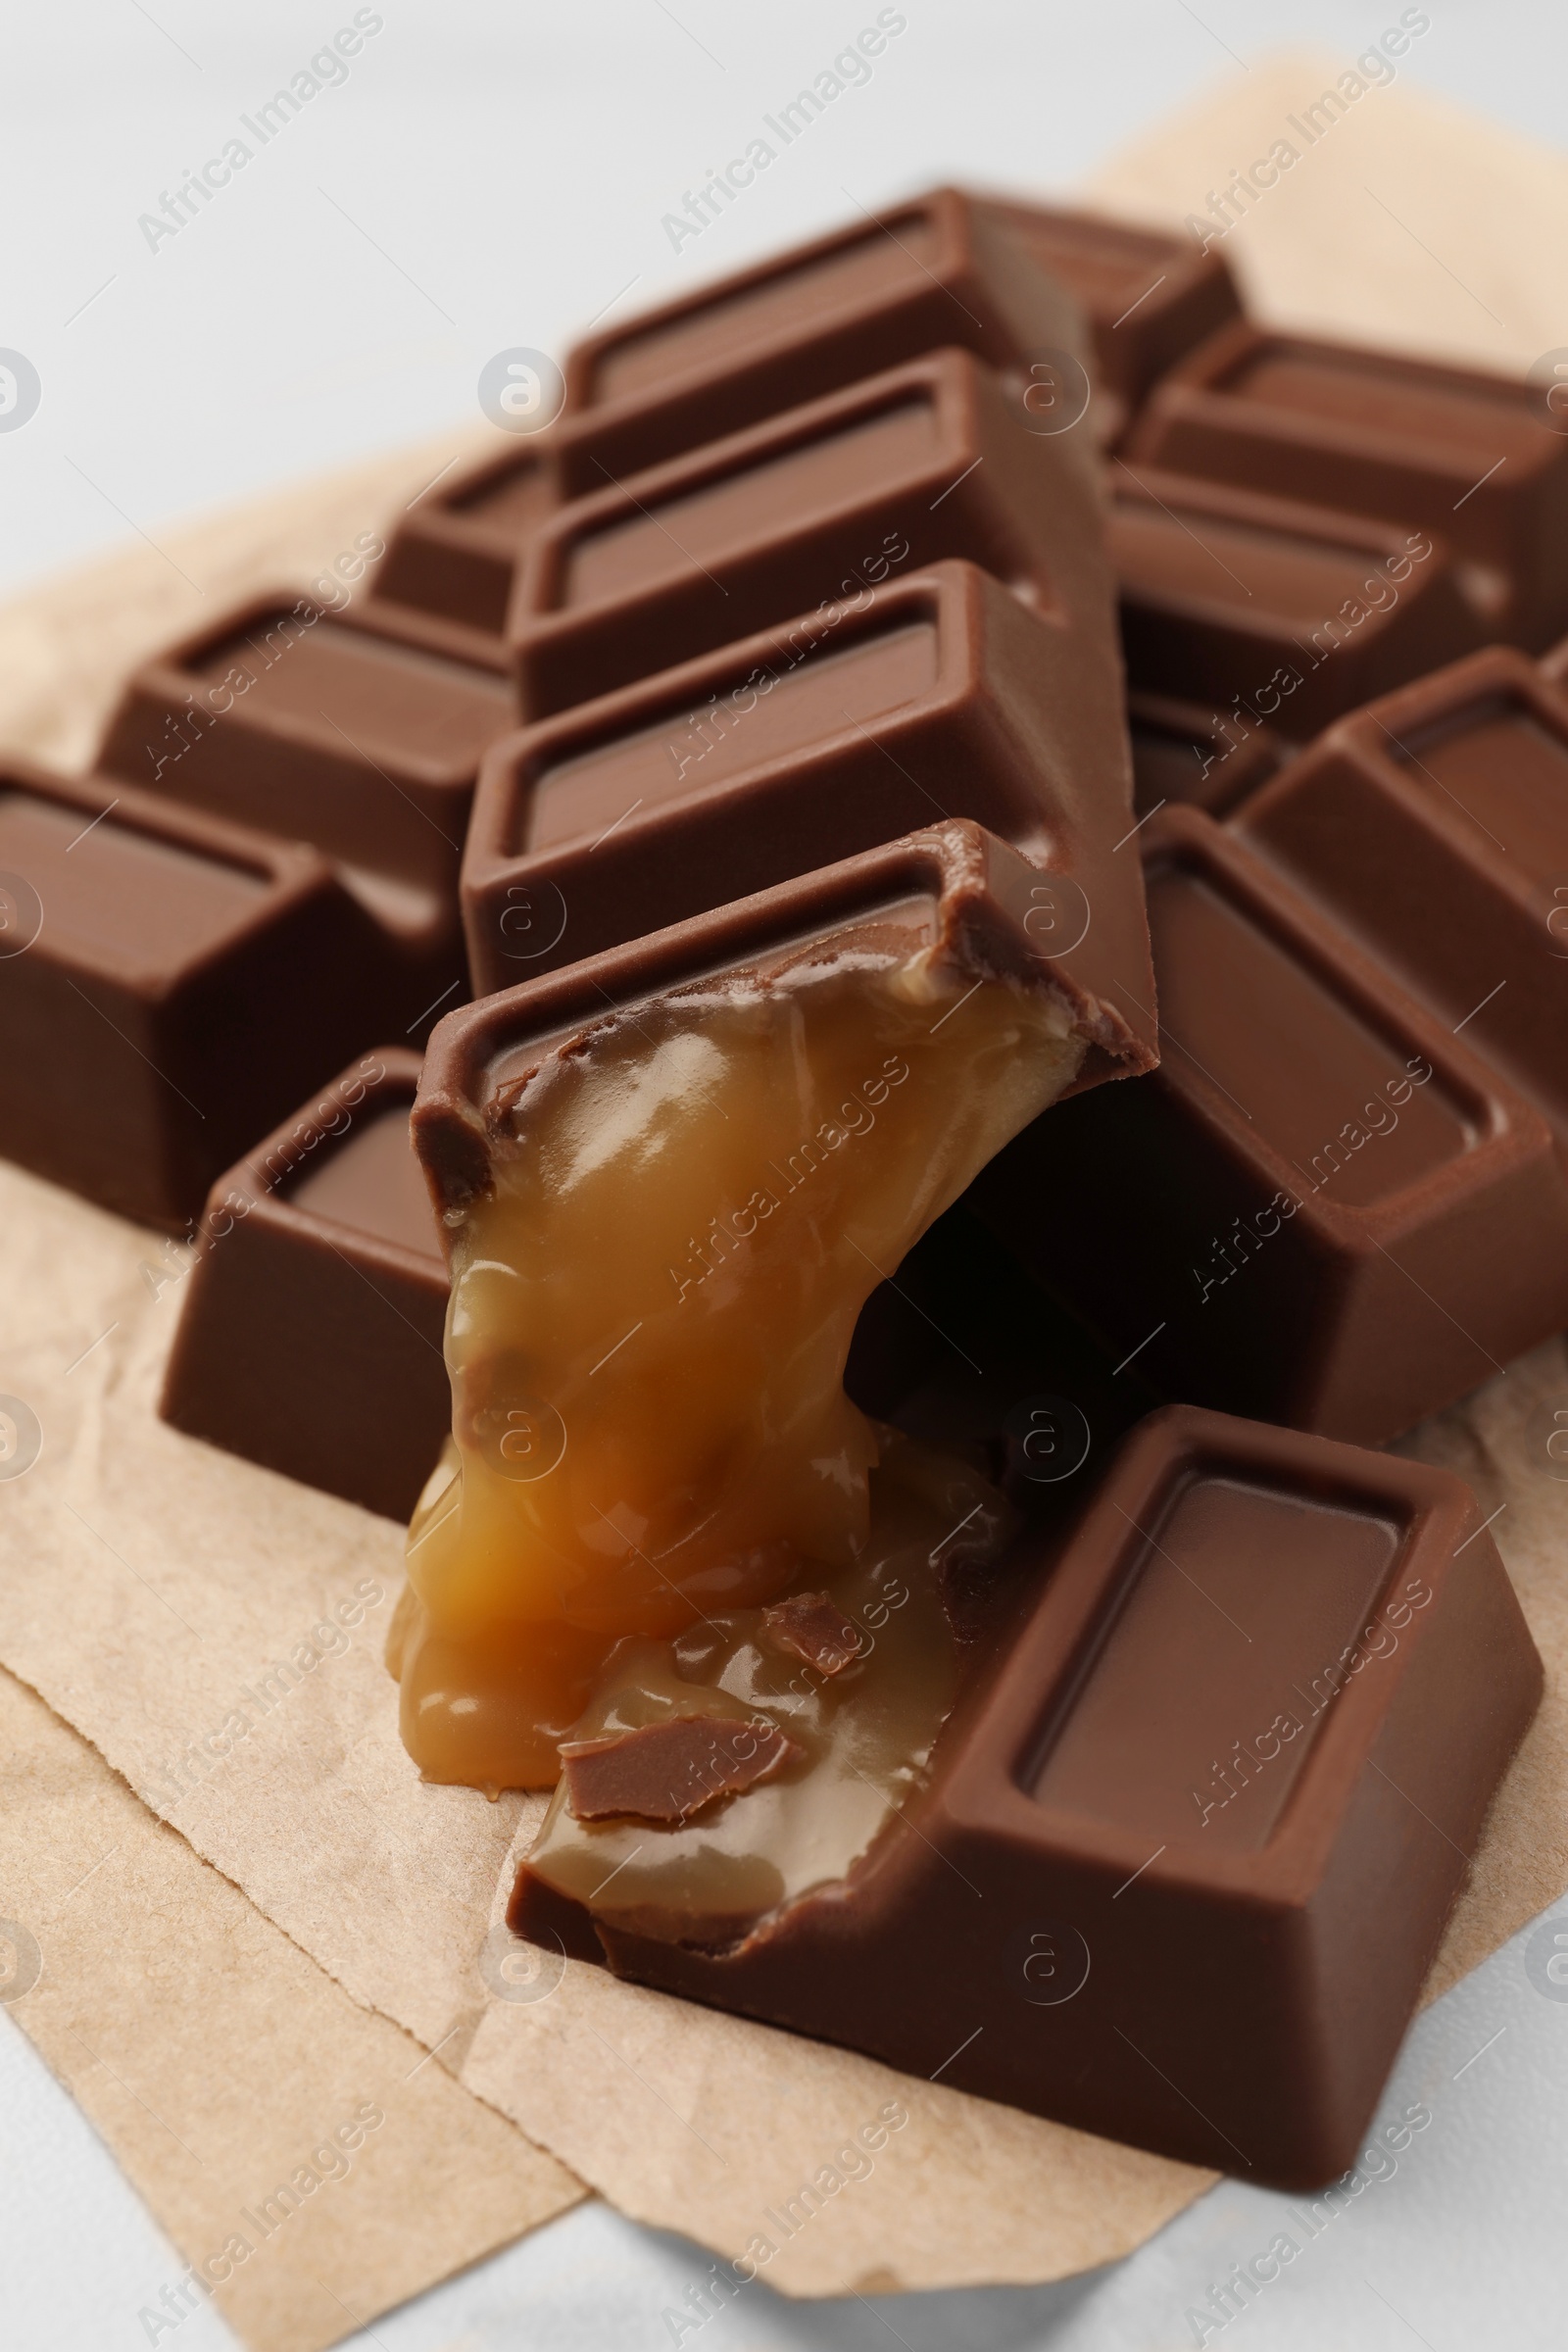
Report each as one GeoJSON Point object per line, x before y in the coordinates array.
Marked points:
{"type": "Point", "coordinates": [168, 1601]}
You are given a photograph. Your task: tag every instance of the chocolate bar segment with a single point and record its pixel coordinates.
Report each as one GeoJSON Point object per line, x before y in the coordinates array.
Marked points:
{"type": "Point", "coordinates": [1323, 1208]}
{"type": "Point", "coordinates": [168, 985]}
{"type": "Point", "coordinates": [1451, 450]}
{"type": "Point", "coordinates": [1190, 752]}
{"type": "Point", "coordinates": [820, 505]}
{"type": "Point", "coordinates": [1149, 296]}
{"type": "Point", "coordinates": [1244, 1732]}
{"type": "Point", "coordinates": [1281, 615]}
{"type": "Point", "coordinates": [310, 1335]}
{"type": "Point", "coordinates": [934, 697]}
{"type": "Point", "coordinates": [453, 560]}
{"type": "Point", "coordinates": [941, 271]}
{"type": "Point", "coordinates": [1433, 828]}
{"type": "Point", "coordinates": [325, 727]}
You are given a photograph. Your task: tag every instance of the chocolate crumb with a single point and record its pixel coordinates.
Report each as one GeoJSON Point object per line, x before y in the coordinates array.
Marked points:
{"type": "Point", "coordinates": [667, 1771]}
{"type": "Point", "coordinates": [811, 1625]}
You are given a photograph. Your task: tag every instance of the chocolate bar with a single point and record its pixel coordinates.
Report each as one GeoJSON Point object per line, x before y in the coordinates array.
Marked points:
{"type": "Point", "coordinates": [647, 1412]}
{"type": "Point", "coordinates": [1431, 827]}
{"type": "Point", "coordinates": [169, 983]}
{"type": "Point", "coordinates": [309, 1336]}
{"type": "Point", "coordinates": [1323, 1208]}
{"type": "Point", "coordinates": [1149, 297]}
{"type": "Point", "coordinates": [1186, 752]}
{"type": "Point", "coordinates": [944, 269]}
{"type": "Point", "coordinates": [935, 695]}
{"type": "Point", "coordinates": [1279, 614]}
{"type": "Point", "coordinates": [819, 505]}
{"type": "Point", "coordinates": [328, 727]}
{"type": "Point", "coordinates": [1240, 1736]}
{"type": "Point", "coordinates": [1452, 451]}
{"type": "Point", "coordinates": [453, 560]}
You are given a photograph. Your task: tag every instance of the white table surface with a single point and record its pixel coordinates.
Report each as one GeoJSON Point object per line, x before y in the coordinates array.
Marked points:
{"type": "Point", "coordinates": [491, 175]}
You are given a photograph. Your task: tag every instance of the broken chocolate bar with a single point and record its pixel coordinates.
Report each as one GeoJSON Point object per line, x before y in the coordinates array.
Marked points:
{"type": "Point", "coordinates": [942, 270]}
{"type": "Point", "coordinates": [810, 1626]}
{"type": "Point", "coordinates": [1433, 828]}
{"type": "Point", "coordinates": [1279, 614]}
{"type": "Point", "coordinates": [1453, 451]}
{"type": "Point", "coordinates": [1243, 1737]}
{"type": "Point", "coordinates": [932, 696]}
{"type": "Point", "coordinates": [816, 505]}
{"type": "Point", "coordinates": [310, 1337]}
{"type": "Point", "coordinates": [1323, 1208]}
{"type": "Point", "coordinates": [329, 728]}
{"type": "Point", "coordinates": [1149, 296]}
{"type": "Point", "coordinates": [169, 984]}
{"type": "Point", "coordinates": [649, 1417]}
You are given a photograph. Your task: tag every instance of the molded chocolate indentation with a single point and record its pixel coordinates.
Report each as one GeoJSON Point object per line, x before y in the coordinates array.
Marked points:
{"type": "Point", "coordinates": [371, 1182]}
{"type": "Point", "coordinates": [120, 897]}
{"type": "Point", "coordinates": [1232, 1637]}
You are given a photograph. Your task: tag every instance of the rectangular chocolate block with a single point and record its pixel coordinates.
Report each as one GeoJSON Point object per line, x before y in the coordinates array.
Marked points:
{"type": "Point", "coordinates": [819, 505]}
{"type": "Point", "coordinates": [938, 696]}
{"type": "Point", "coordinates": [1185, 752]}
{"type": "Point", "coordinates": [1453, 449]}
{"type": "Point", "coordinates": [1149, 296]}
{"type": "Point", "coordinates": [940, 270]}
{"type": "Point", "coordinates": [1281, 614]}
{"type": "Point", "coordinates": [453, 557]}
{"type": "Point", "coordinates": [1322, 1208]}
{"type": "Point", "coordinates": [333, 729]}
{"type": "Point", "coordinates": [1433, 827]}
{"type": "Point", "coordinates": [310, 1337]}
{"type": "Point", "coordinates": [1192, 1832]}
{"type": "Point", "coordinates": [168, 984]}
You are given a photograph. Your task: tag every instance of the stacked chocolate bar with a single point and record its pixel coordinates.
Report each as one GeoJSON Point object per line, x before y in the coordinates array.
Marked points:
{"type": "Point", "coordinates": [789, 654]}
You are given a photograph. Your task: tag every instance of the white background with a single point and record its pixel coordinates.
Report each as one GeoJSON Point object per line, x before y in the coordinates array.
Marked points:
{"type": "Point", "coordinates": [494, 174]}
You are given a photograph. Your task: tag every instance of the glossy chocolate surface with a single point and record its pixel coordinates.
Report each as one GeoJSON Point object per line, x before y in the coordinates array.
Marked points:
{"type": "Point", "coordinates": [1323, 1208]}
{"type": "Point", "coordinates": [1281, 615]}
{"type": "Point", "coordinates": [820, 505]}
{"type": "Point", "coordinates": [1243, 1734]}
{"type": "Point", "coordinates": [935, 696]}
{"type": "Point", "coordinates": [1433, 827]}
{"type": "Point", "coordinates": [941, 271]}
{"type": "Point", "coordinates": [310, 1335]}
{"type": "Point", "coordinates": [1459, 453]}
{"type": "Point", "coordinates": [168, 984]}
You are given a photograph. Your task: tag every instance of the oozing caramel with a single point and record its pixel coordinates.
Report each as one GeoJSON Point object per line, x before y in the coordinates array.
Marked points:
{"type": "Point", "coordinates": [651, 1310]}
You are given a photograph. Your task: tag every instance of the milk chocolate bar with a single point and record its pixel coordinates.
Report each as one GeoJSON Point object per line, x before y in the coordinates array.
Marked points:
{"type": "Point", "coordinates": [310, 1335]}
{"type": "Point", "coordinates": [328, 727]}
{"type": "Point", "coordinates": [1433, 828]}
{"type": "Point", "coordinates": [169, 983]}
{"type": "Point", "coordinates": [944, 269]}
{"type": "Point", "coordinates": [818, 505]}
{"type": "Point", "coordinates": [1279, 614]}
{"type": "Point", "coordinates": [1190, 752]}
{"type": "Point", "coordinates": [1323, 1208]}
{"type": "Point", "coordinates": [932, 696]}
{"type": "Point", "coordinates": [1239, 1739]}
{"type": "Point", "coordinates": [1149, 297]}
{"type": "Point", "coordinates": [453, 560]}
{"type": "Point", "coordinates": [1449, 450]}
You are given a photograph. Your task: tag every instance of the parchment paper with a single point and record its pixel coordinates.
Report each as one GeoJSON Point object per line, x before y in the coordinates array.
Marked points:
{"type": "Point", "coordinates": [148, 1584]}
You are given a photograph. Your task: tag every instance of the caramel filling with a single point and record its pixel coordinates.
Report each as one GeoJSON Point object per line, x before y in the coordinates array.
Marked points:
{"type": "Point", "coordinates": [651, 1312]}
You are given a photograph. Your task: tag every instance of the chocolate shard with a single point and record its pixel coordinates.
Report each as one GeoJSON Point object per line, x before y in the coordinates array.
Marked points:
{"type": "Point", "coordinates": [669, 1770]}
{"type": "Point", "coordinates": [810, 1626]}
